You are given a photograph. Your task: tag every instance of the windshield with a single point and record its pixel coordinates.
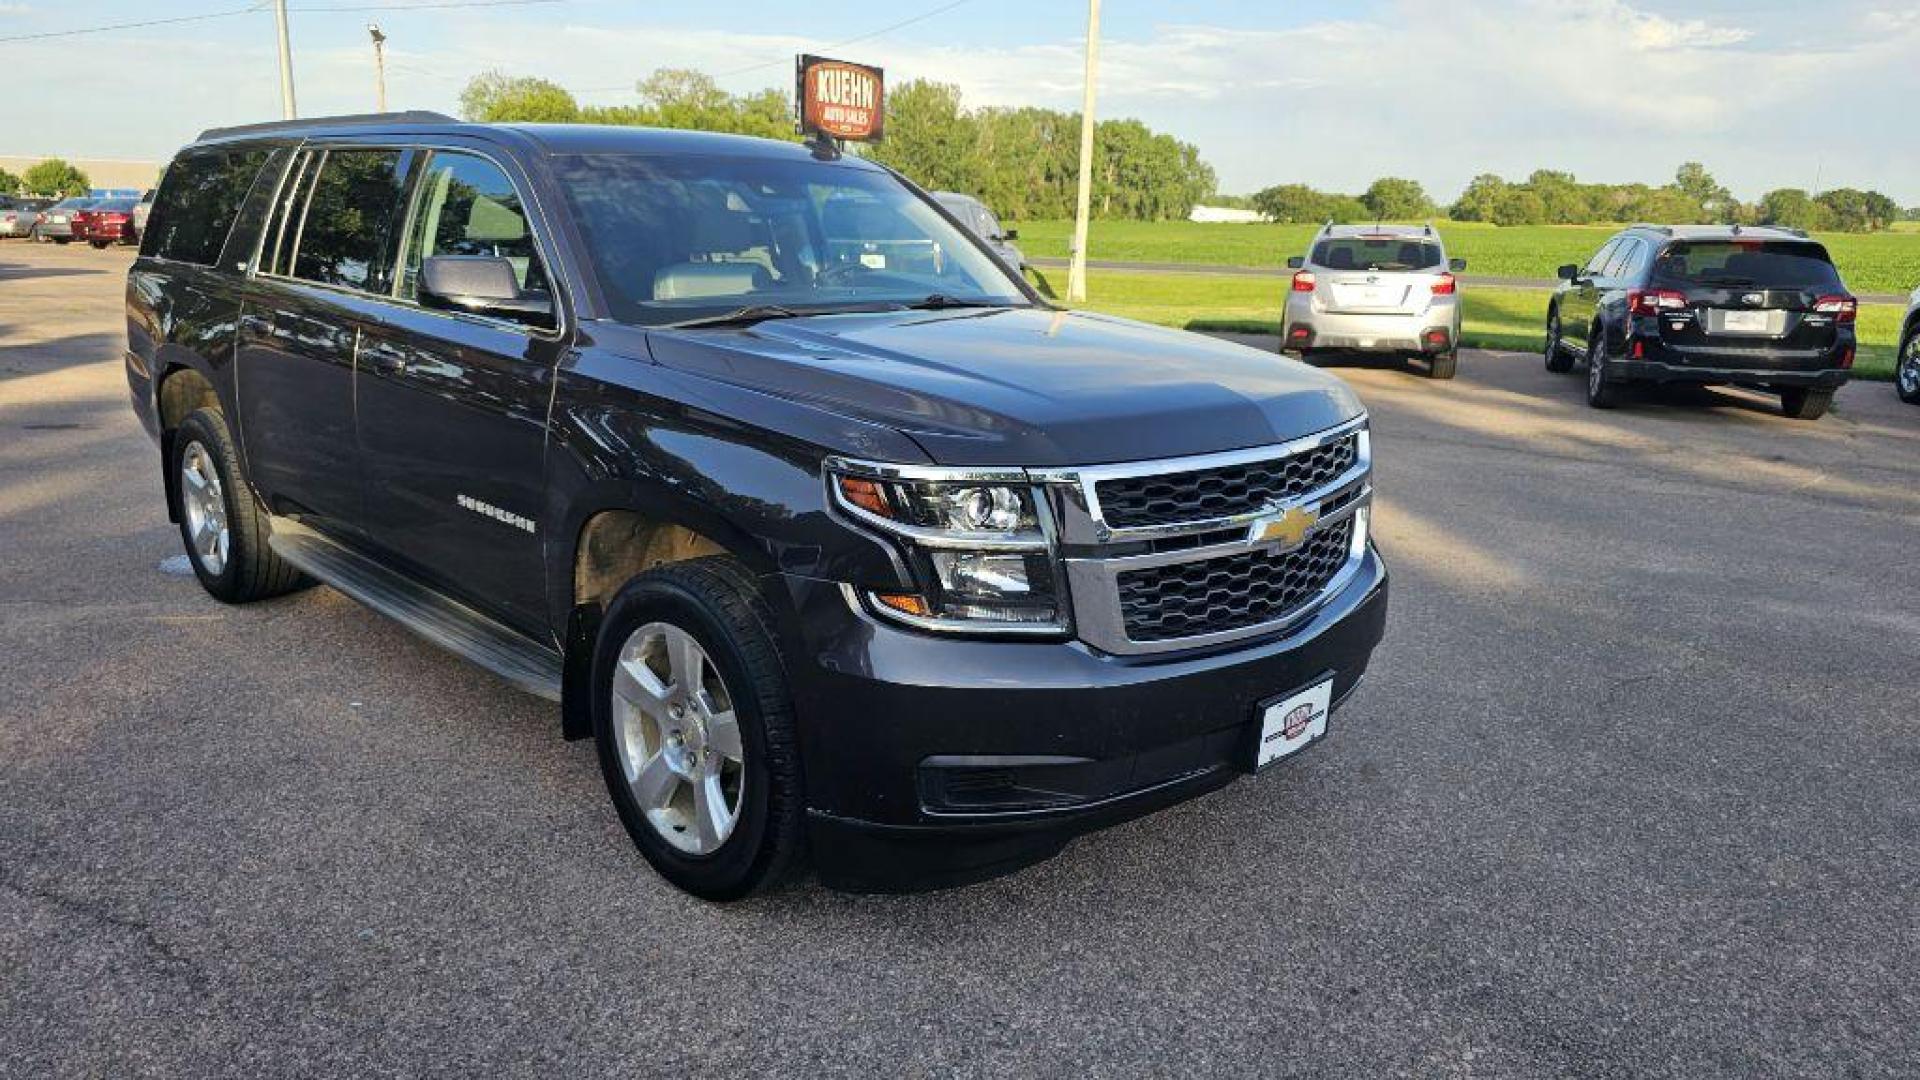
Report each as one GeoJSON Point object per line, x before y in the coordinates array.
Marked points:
{"type": "Point", "coordinates": [1771, 264]}
{"type": "Point", "coordinates": [1390, 253]}
{"type": "Point", "coordinates": [685, 237]}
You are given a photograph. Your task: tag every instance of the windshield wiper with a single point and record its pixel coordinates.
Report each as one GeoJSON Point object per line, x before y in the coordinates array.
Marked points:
{"type": "Point", "coordinates": [939, 301]}
{"type": "Point", "coordinates": [752, 313]}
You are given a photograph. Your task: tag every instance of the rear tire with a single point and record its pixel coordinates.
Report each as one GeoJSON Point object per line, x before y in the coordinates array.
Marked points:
{"type": "Point", "coordinates": [1602, 392]}
{"type": "Point", "coordinates": [656, 736]}
{"type": "Point", "coordinates": [224, 530]}
{"type": "Point", "coordinates": [1558, 361]}
{"type": "Point", "coordinates": [1906, 375]}
{"type": "Point", "coordinates": [1442, 365]}
{"type": "Point", "coordinates": [1805, 403]}
{"type": "Point", "coordinates": [99, 245]}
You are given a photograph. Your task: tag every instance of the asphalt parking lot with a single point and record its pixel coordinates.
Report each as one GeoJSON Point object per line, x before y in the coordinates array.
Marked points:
{"type": "Point", "coordinates": [1630, 791]}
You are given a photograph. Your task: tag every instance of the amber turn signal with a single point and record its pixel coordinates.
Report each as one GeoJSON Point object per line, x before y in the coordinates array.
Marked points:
{"type": "Point", "coordinates": [904, 602]}
{"type": "Point", "coordinates": [866, 495]}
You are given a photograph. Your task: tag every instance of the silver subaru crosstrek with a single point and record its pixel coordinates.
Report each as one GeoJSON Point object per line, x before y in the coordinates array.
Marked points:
{"type": "Point", "coordinates": [1376, 289]}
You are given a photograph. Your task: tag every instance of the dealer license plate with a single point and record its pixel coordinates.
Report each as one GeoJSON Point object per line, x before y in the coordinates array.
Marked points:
{"type": "Point", "coordinates": [1290, 724]}
{"type": "Point", "coordinates": [1744, 322]}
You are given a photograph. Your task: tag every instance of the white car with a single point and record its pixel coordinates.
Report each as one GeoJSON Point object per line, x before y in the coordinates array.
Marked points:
{"type": "Point", "coordinates": [1375, 289]}
{"type": "Point", "coordinates": [1906, 377]}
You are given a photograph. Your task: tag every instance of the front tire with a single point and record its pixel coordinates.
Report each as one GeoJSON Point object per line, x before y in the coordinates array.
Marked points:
{"type": "Point", "coordinates": [695, 728]}
{"type": "Point", "coordinates": [224, 530]}
{"type": "Point", "coordinates": [1906, 376]}
{"type": "Point", "coordinates": [1805, 403]}
{"type": "Point", "coordinates": [1602, 391]}
{"type": "Point", "coordinates": [99, 245]}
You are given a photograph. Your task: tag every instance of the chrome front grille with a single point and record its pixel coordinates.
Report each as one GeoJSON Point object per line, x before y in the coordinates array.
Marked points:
{"type": "Point", "coordinates": [1187, 553]}
{"type": "Point", "coordinates": [1223, 491]}
{"type": "Point", "coordinates": [1232, 592]}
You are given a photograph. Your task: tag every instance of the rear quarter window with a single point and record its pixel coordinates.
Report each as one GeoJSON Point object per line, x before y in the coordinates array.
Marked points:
{"type": "Point", "coordinates": [194, 208]}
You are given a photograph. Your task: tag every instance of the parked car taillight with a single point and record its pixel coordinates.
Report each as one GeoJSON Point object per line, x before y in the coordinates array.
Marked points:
{"type": "Point", "coordinates": [1655, 301]}
{"type": "Point", "coordinates": [1844, 309]}
{"type": "Point", "coordinates": [1303, 281]}
{"type": "Point", "coordinates": [1444, 285]}
{"type": "Point", "coordinates": [115, 219]}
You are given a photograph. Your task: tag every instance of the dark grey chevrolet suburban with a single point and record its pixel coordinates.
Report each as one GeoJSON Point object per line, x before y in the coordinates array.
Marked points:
{"type": "Point", "coordinates": [843, 544]}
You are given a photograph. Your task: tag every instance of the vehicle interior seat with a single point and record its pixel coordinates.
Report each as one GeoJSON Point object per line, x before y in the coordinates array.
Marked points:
{"type": "Point", "coordinates": [1340, 258]}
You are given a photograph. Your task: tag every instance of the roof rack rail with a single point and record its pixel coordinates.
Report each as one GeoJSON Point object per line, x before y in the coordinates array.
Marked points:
{"type": "Point", "coordinates": [412, 116]}
{"type": "Point", "coordinates": [1429, 228]}
{"type": "Point", "coordinates": [1666, 230]}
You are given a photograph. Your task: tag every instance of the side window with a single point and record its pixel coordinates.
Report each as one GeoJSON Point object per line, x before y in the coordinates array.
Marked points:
{"type": "Point", "coordinates": [465, 205]}
{"type": "Point", "coordinates": [1626, 256]}
{"type": "Point", "coordinates": [197, 202]}
{"type": "Point", "coordinates": [990, 224]}
{"type": "Point", "coordinates": [1598, 265]}
{"type": "Point", "coordinates": [344, 234]}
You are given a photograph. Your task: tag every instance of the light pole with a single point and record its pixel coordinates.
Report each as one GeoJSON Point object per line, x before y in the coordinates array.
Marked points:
{"type": "Point", "coordinates": [1083, 201]}
{"type": "Point", "coordinates": [379, 67]}
{"type": "Point", "coordinates": [287, 109]}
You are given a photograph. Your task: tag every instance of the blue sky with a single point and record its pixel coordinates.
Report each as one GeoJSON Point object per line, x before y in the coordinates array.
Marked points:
{"type": "Point", "coordinates": [1315, 91]}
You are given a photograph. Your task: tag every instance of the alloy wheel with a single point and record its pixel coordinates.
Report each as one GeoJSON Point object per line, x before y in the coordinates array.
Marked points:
{"type": "Point", "coordinates": [678, 738]}
{"type": "Point", "coordinates": [1908, 376]}
{"type": "Point", "coordinates": [205, 504]}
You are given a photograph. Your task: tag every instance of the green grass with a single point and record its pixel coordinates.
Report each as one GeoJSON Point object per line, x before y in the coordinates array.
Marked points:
{"type": "Point", "coordinates": [1494, 318]}
{"type": "Point", "coordinates": [1886, 262]}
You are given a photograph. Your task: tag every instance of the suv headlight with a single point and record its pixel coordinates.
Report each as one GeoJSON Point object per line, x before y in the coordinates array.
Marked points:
{"type": "Point", "coordinates": [974, 539]}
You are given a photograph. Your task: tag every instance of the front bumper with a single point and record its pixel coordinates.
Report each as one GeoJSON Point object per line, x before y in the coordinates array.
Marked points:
{"type": "Point", "coordinates": [934, 761]}
{"type": "Point", "coordinates": [1435, 330]}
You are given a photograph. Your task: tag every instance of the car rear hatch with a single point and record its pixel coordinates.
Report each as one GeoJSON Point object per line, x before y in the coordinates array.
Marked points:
{"type": "Point", "coordinates": [1380, 274]}
{"type": "Point", "coordinates": [1756, 297]}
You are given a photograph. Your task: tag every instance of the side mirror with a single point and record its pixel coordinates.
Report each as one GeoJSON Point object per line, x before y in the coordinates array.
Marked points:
{"type": "Point", "coordinates": [1456, 265]}
{"type": "Point", "coordinates": [1569, 272]}
{"type": "Point", "coordinates": [1296, 262]}
{"type": "Point", "coordinates": [1010, 234]}
{"type": "Point", "coordinates": [483, 284]}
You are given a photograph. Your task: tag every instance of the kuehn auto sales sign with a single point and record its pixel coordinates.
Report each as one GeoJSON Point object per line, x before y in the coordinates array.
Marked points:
{"type": "Point", "coordinates": [846, 101]}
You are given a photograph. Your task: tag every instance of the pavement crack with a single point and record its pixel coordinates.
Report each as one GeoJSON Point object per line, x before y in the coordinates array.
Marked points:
{"type": "Point", "coordinates": [164, 958]}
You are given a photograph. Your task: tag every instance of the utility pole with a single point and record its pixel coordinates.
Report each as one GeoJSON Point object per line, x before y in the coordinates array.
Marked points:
{"type": "Point", "coordinates": [287, 109]}
{"type": "Point", "coordinates": [379, 67]}
{"type": "Point", "coordinates": [1083, 203]}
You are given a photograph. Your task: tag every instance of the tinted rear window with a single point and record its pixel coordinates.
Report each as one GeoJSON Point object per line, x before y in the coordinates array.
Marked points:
{"type": "Point", "coordinates": [196, 203]}
{"type": "Point", "coordinates": [115, 206]}
{"type": "Point", "coordinates": [346, 230]}
{"type": "Point", "coordinates": [1748, 263]}
{"type": "Point", "coordinates": [1390, 253]}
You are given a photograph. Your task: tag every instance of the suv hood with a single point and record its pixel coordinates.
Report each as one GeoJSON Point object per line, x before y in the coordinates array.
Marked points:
{"type": "Point", "coordinates": [1023, 386]}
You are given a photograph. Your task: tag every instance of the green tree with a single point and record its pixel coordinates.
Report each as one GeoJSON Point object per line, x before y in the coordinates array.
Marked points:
{"type": "Point", "coordinates": [1693, 181]}
{"type": "Point", "coordinates": [1791, 208]}
{"type": "Point", "coordinates": [56, 177]}
{"type": "Point", "coordinates": [1565, 200]}
{"type": "Point", "coordinates": [496, 97]}
{"type": "Point", "coordinates": [1520, 205]}
{"type": "Point", "coordinates": [1391, 198]}
{"type": "Point", "coordinates": [9, 183]}
{"type": "Point", "coordinates": [1481, 198]}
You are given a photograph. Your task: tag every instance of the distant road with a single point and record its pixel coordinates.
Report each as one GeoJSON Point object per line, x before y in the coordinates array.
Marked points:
{"type": "Point", "coordinates": [1213, 269]}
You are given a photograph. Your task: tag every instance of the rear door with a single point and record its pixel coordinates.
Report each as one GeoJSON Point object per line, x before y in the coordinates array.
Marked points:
{"type": "Point", "coordinates": [1749, 294]}
{"type": "Point", "coordinates": [1377, 274]}
{"type": "Point", "coordinates": [325, 260]}
{"type": "Point", "coordinates": [453, 406]}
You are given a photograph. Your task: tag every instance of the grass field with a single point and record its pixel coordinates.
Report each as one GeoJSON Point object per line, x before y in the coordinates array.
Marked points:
{"type": "Point", "coordinates": [1877, 263]}
{"type": "Point", "coordinates": [1494, 318]}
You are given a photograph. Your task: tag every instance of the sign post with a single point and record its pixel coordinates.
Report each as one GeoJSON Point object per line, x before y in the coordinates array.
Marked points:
{"type": "Point", "coordinates": [835, 101]}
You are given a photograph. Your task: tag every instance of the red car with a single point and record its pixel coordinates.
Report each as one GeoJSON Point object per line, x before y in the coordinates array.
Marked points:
{"type": "Point", "coordinates": [109, 221]}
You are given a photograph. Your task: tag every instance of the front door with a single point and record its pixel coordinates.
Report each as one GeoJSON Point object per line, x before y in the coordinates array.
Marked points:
{"type": "Point", "coordinates": [453, 406]}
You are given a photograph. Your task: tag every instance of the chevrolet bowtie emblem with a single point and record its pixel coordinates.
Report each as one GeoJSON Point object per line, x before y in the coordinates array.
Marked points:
{"type": "Point", "coordinates": [1289, 528]}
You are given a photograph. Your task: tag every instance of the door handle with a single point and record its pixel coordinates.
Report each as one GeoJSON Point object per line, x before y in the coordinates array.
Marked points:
{"type": "Point", "coordinates": [385, 361]}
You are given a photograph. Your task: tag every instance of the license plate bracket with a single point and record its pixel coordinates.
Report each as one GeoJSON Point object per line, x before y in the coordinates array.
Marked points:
{"type": "Point", "coordinates": [1283, 726]}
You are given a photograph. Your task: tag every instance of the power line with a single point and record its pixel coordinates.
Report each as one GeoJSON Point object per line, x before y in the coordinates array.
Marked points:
{"type": "Point", "coordinates": [174, 20]}
{"type": "Point", "coordinates": [134, 25]}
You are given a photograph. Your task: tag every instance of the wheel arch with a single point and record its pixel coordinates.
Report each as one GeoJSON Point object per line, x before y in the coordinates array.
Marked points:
{"type": "Point", "coordinates": [178, 392]}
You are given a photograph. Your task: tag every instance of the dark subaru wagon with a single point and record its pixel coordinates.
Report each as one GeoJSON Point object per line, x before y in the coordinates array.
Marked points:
{"type": "Point", "coordinates": [841, 542]}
